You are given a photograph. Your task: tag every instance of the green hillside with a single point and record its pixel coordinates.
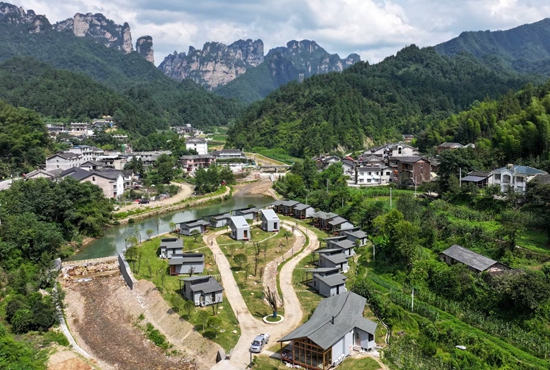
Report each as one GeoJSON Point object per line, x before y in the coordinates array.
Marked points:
{"type": "Point", "coordinates": [525, 49]}
{"type": "Point", "coordinates": [170, 102]}
{"type": "Point", "coordinates": [402, 94]}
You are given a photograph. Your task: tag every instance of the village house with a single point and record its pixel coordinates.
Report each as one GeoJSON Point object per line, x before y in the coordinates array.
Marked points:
{"type": "Point", "coordinates": [110, 181]}
{"type": "Point", "coordinates": [189, 228]}
{"type": "Point", "coordinates": [190, 163]}
{"type": "Point", "coordinates": [334, 258]}
{"type": "Point", "coordinates": [287, 207]}
{"type": "Point", "coordinates": [39, 173]}
{"type": "Point", "coordinates": [63, 161]}
{"type": "Point", "coordinates": [170, 247]}
{"type": "Point", "coordinates": [202, 290]}
{"type": "Point", "coordinates": [514, 177]}
{"type": "Point", "coordinates": [87, 152]}
{"type": "Point", "coordinates": [448, 146]}
{"type": "Point", "coordinates": [474, 261]}
{"type": "Point", "coordinates": [79, 129]}
{"type": "Point", "coordinates": [345, 245]}
{"type": "Point", "coordinates": [356, 235]}
{"type": "Point", "coordinates": [302, 211]}
{"type": "Point", "coordinates": [412, 170]}
{"type": "Point", "coordinates": [270, 220]}
{"type": "Point", "coordinates": [321, 219]}
{"type": "Point", "coordinates": [248, 213]}
{"type": "Point", "coordinates": [186, 264]}
{"type": "Point", "coordinates": [322, 162]}
{"type": "Point", "coordinates": [228, 154]}
{"type": "Point", "coordinates": [336, 329]}
{"type": "Point", "coordinates": [240, 230]}
{"type": "Point", "coordinates": [219, 220]}
{"type": "Point", "coordinates": [327, 281]}
{"type": "Point", "coordinates": [373, 175]}
{"type": "Point", "coordinates": [349, 167]}
{"type": "Point", "coordinates": [277, 206]}
{"type": "Point", "coordinates": [147, 158]}
{"type": "Point", "coordinates": [197, 144]}
{"type": "Point", "coordinates": [338, 224]}
{"type": "Point", "coordinates": [408, 138]}
{"type": "Point", "coordinates": [481, 179]}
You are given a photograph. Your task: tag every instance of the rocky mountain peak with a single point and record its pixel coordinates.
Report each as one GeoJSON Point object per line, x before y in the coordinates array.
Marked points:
{"type": "Point", "coordinates": [17, 15]}
{"type": "Point", "coordinates": [216, 63]}
{"type": "Point", "coordinates": [144, 47]}
{"type": "Point", "coordinates": [98, 27]}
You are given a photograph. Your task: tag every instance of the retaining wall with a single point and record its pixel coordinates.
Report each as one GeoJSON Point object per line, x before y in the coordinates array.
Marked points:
{"type": "Point", "coordinates": [125, 271]}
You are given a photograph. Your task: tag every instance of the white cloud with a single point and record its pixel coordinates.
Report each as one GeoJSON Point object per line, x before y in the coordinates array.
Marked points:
{"type": "Point", "coordinates": [372, 28]}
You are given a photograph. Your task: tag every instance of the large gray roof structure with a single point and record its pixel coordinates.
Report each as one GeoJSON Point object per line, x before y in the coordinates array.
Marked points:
{"type": "Point", "coordinates": [333, 318]}
{"type": "Point", "coordinates": [205, 284]}
{"type": "Point", "coordinates": [468, 257]}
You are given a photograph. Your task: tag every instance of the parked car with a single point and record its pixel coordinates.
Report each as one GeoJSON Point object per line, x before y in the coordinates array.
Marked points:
{"type": "Point", "coordinates": [259, 342]}
{"type": "Point", "coordinates": [144, 201]}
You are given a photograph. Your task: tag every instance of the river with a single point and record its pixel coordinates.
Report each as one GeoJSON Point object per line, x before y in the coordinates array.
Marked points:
{"type": "Point", "coordinates": [113, 240]}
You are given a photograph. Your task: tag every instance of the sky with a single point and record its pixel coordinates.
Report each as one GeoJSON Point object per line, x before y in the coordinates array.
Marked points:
{"type": "Point", "coordinates": [373, 29]}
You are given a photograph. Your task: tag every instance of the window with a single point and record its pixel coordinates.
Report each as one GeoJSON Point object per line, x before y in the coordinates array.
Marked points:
{"type": "Point", "coordinates": [213, 297]}
{"type": "Point", "coordinates": [370, 173]}
{"type": "Point", "coordinates": [93, 178]}
{"type": "Point", "coordinates": [388, 173]}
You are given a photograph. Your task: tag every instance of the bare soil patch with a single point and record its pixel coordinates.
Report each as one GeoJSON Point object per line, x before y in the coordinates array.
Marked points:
{"type": "Point", "coordinates": [102, 314]}
{"type": "Point", "coordinates": [254, 188]}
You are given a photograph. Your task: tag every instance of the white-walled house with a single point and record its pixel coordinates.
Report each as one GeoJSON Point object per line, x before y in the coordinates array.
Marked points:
{"type": "Point", "coordinates": [373, 175]}
{"type": "Point", "coordinates": [198, 144]}
{"type": "Point", "coordinates": [63, 161]}
{"type": "Point", "coordinates": [514, 177]}
{"type": "Point", "coordinates": [110, 181]}
{"type": "Point", "coordinates": [270, 220]}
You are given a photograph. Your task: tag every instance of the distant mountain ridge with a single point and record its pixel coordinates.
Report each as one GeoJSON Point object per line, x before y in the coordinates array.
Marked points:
{"type": "Point", "coordinates": [524, 49]}
{"type": "Point", "coordinates": [94, 26]}
{"type": "Point", "coordinates": [247, 73]}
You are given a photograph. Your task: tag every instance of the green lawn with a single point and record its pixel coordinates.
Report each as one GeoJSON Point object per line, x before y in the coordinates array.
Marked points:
{"type": "Point", "coordinates": [251, 286]}
{"type": "Point", "coordinates": [156, 270]}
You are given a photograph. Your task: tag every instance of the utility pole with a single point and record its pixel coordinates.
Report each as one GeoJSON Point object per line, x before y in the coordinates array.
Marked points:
{"type": "Point", "coordinates": [390, 200]}
{"type": "Point", "coordinates": [373, 251]}
{"type": "Point", "coordinates": [460, 177]}
{"type": "Point", "coordinates": [412, 301]}
{"type": "Point", "coordinates": [327, 186]}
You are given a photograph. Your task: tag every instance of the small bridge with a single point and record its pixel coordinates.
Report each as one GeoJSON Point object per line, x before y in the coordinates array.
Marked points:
{"type": "Point", "coordinates": [275, 168]}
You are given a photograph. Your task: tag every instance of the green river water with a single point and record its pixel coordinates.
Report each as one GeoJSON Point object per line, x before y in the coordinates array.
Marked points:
{"type": "Point", "coordinates": [113, 240]}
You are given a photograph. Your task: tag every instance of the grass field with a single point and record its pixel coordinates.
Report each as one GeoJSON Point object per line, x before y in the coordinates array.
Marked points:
{"type": "Point", "coordinates": [250, 284]}
{"type": "Point", "coordinates": [152, 268]}
{"type": "Point", "coordinates": [267, 363]}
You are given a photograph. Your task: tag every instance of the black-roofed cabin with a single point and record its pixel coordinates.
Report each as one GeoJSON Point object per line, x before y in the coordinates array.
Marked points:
{"type": "Point", "coordinates": [186, 263]}
{"type": "Point", "coordinates": [170, 247]}
{"type": "Point", "coordinates": [202, 290]}
{"type": "Point", "coordinates": [336, 329]}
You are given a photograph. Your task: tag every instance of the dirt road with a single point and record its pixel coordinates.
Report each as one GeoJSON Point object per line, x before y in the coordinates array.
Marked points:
{"type": "Point", "coordinates": [250, 326]}
{"type": "Point", "coordinates": [185, 192]}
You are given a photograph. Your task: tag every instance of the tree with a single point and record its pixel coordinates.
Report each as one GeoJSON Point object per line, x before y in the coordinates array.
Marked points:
{"type": "Point", "coordinates": [240, 259]}
{"type": "Point", "coordinates": [204, 316]}
{"type": "Point", "coordinates": [287, 234]}
{"type": "Point", "coordinates": [195, 234]}
{"type": "Point", "coordinates": [165, 168]}
{"type": "Point", "coordinates": [149, 233]}
{"type": "Point", "coordinates": [272, 299]}
{"type": "Point", "coordinates": [172, 226]}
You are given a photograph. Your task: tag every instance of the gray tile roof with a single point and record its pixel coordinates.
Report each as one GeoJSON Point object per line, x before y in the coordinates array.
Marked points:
{"type": "Point", "coordinates": [221, 217]}
{"type": "Point", "coordinates": [180, 259]}
{"type": "Point", "coordinates": [337, 221]}
{"type": "Point", "coordinates": [171, 243]}
{"type": "Point", "coordinates": [413, 159]}
{"type": "Point", "coordinates": [323, 270]}
{"type": "Point", "coordinates": [469, 258]}
{"type": "Point", "coordinates": [301, 206]}
{"type": "Point", "coordinates": [332, 280]}
{"type": "Point", "coordinates": [521, 170]}
{"type": "Point", "coordinates": [335, 258]}
{"type": "Point", "coordinates": [360, 234]}
{"type": "Point", "coordinates": [290, 203]}
{"type": "Point", "coordinates": [324, 215]}
{"type": "Point", "coordinates": [347, 310]}
{"type": "Point", "coordinates": [277, 203]}
{"type": "Point", "coordinates": [344, 244]}
{"type": "Point", "coordinates": [196, 223]}
{"type": "Point", "coordinates": [248, 210]}
{"type": "Point", "coordinates": [328, 250]}
{"type": "Point", "coordinates": [269, 214]}
{"type": "Point", "coordinates": [204, 284]}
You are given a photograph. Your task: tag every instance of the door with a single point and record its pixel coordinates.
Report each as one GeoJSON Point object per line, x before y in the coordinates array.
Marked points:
{"type": "Point", "coordinates": [245, 233]}
{"type": "Point", "coordinates": [275, 226]}
{"type": "Point", "coordinates": [358, 339]}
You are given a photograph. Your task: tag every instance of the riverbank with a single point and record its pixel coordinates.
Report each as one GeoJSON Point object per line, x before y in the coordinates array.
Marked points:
{"type": "Point", "coordinates": [217, 196]}
{"type": "Point", "coordinates": [264, 187]}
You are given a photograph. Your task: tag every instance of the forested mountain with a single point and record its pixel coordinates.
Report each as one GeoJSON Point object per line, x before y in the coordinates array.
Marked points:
{"type": "Point", "coordinates": [402, 94]}
{"type": "Point", "coordinates": [169, 101]}
{"type": "Point", "coordinates": [298, 60]}
{"type": "Point", "coordinates": [516, 126]}
{"type": "Point", "coordinates": [525, 49]}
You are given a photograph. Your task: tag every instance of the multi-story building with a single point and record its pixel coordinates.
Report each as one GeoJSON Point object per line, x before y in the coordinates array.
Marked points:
{"type": "Point", "coordinates": [411, 170]}
{"type": "Point", "coordinates": [373, 175]}
{"type": "Point", "coordinates": [190, 163]}
{"type": "Point", "coordinates": [514, 177]}
{"type": "Point", "coordinates": [198, 144]}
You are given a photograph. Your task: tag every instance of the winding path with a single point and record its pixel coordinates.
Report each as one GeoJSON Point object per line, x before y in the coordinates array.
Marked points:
{"type": "Point", "coordinates": [250, 326]}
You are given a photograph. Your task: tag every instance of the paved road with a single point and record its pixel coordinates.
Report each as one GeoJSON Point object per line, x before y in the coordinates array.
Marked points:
{"type": "Point", "coordinates": [185, 192]}
{"type": "Point", "coordinates": [250, 326]}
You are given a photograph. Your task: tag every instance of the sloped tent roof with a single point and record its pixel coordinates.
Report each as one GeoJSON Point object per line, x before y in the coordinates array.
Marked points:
{"type": "Point", "coordinates": [468, 257]}
{"type": "Point", "coordinates": [171, 243]}
{"type": "Point", "coordinates": [269, 214]}
{"type": "Point", "coordinates": [180, 259]}
{"type": "Point", "coordinates": [347, 310]}
{"type": "Point", "coordinates": [332, 280]}
{"type": "Point", "coordinates": [208, 285]}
